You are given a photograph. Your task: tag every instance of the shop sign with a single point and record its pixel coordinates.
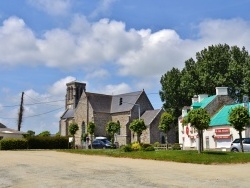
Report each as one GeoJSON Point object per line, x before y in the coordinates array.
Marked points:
{"type": "Point", "coordinates": [222, 131]}
{"type": "Point", "coordinates": [223, 137]}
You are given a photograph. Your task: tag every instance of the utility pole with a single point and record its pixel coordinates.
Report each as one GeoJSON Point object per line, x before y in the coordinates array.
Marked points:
{"type": "Point", "coordinates": [20, 114]}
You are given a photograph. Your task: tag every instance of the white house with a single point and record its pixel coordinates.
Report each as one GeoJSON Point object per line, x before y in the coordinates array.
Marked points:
{"type": "Point", "coordinates": [10, 133]}
{"type": "Point", "coordinates": [220, 134]}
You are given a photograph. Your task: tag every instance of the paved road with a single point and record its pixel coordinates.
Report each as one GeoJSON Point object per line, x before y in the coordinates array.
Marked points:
{"type": "Point", "coordinates": [57, 169]}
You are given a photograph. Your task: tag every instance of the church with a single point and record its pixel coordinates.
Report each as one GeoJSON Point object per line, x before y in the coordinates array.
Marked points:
{"type": "Point", "coordinates": [83, 107]}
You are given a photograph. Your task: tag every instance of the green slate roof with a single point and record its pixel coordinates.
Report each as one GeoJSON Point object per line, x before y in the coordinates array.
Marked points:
{"type": "Point", "coordinates": [203, 103]}
{"type": "Point", "coordinates": [221, 118]}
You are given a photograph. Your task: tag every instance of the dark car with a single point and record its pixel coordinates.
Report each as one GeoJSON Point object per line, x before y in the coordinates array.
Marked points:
{"type": "Point", "coordinates": [100, 144]}
{"type": "Point", "coordinates": [235, 145]}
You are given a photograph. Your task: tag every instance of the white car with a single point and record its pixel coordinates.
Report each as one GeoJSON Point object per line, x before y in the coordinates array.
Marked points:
{"type": "Point", "coordinates": [235, 145]}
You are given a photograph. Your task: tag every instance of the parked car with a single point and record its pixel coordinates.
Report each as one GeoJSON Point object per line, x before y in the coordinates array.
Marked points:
{"type": "Point", "coordinates": [100, 143]}
{"type": "Point", "coordinates": [235, 145]}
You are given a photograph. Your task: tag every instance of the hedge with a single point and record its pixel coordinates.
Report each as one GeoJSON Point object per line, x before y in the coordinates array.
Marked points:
{"type": "Point", "coordinates": [58, 142]}
{"type": "Point", "coordinates": [36, 142]}
{"type": "Point", "coordinates": [13, 143]}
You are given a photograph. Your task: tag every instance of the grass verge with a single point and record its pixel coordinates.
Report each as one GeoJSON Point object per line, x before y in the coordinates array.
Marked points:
{"type": "Point", "coordinates": [183, 156]}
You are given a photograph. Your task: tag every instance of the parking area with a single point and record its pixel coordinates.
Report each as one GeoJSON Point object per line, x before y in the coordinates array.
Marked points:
{"type": "Point", "coordinates": [58, 169]}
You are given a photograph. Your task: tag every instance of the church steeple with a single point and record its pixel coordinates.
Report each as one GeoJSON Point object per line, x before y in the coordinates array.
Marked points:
{"type": "Point", "coordinates": [74, 92]}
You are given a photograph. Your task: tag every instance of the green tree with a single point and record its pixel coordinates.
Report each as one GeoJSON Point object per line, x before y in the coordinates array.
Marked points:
{"type": "Point", "coordinates": [91, 131]}
{"type": "Point", "coordinates": [239, 118]}
{"type": "Point", "coordinates": [73, 128]}
{"type": "Point", "coordinates": [165, 122]}
{"type": "Point", "coordinates": [112, 128]}
{"type": "Point", "coordinates": [29, 134]}
{"type": "Point", "coordinates": [171, 93]}
{"type": "Point", "coordinates": [199, 119]}
{"type": "Point", "coordinates": [217, 65]}
{"type": "Point", "coordinates": [45, 134]}
{"type": "Point", "coordinates": [137, 126]}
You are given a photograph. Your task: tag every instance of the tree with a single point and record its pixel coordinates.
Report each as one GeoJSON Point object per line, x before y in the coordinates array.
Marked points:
{"type": "Point", "coordinates": [137, 126]}
{"type": "Point", "coordinates": [112, 128]}
{"type": "Point", "coordinates": [44, 134]}
{"type": "Point", "coordinates": [239, 118]}
{"type": "Point", "coordinates": [29, 134]}
{"type": "Point", "coordinates": [199, 119]}
{"type": "Point", "coordinates": [165, 122]}
{"type": "Point", "coordinates": [217, 65]}
{"type": "Point", "coordinates": [73, 128]}
{"type": "Point", "coordinates": [171, 93]}
{"type": "Point", "coordinates": [91, 131]}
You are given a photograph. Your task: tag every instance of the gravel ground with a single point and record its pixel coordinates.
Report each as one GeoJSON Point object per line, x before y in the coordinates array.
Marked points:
{"type": "Point", "coordinates": [58, 169]}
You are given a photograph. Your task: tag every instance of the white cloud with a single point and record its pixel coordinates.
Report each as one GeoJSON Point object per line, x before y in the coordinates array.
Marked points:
{"type": "Point", "coordinates": [59, 87]}
{"type": "Point", "coordinates": [53, 7]}
{"type": "Point", "coordinates": [103, 8]}
{"type": "Point", "coordinates": [100, 73]}
{"type": "Point", "coordinates": [137, 53]}
{"type": "Point", "coordinates": [232, 32]}
{"type": "Point", "coordinates": [19, 43]}
{"type": "Point", "coordinates": [116, 89]}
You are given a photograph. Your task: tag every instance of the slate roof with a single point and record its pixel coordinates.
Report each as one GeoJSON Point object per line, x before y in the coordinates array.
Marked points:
{"type": "Point", "coordinates": [99, 102]}
{"type": "Point", "coordinates": [110, 103]}
{"type": "Point", "coordinates": [69, 113]}
{"type": "Point", "coordinates": [203, 103]}
{"type": "Point", "coordinates": [221, 118]}
{"type": "Point", "coordinates": [128, 101]}
{"type": "Point", "coordinates": [150, 115]}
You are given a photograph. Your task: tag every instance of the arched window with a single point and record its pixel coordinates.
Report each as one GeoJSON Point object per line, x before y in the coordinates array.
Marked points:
{"type": "Point", "coordinates": [83, 127]}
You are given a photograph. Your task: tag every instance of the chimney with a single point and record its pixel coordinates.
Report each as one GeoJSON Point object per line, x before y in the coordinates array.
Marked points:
{"type": "Point", "coordinates": [201, 97]}
{"type": "Point", "coordinates": [194, 99]}
{"type": "Point", "coordinates": [221, 91]}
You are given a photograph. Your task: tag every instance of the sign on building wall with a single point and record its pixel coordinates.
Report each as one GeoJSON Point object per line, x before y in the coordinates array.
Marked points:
{"type": "Point", "coordinates": [222, 131]}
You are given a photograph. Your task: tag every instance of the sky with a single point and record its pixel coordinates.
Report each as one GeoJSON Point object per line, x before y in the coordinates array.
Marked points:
{"type": "Point", "coordinates": [114, 46]}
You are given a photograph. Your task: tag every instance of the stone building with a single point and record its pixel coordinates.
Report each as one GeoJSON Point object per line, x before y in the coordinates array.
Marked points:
{"type": "Point", "coordinates": [83, 107]}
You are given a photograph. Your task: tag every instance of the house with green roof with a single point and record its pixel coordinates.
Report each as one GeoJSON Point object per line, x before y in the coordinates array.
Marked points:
{"type": "Point", "coordinates": [219, 134]}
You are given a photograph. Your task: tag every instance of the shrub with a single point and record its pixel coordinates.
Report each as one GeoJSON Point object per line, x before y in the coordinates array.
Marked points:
{"type": "Point", "coordinates": [147, 147]}
{"type": "Point", "coordinates": [48, 142]}
{"type": "Point", "coordinates": [156, 144]}
{"type": "Point", "coordinates": [13, 143]}
{"type": "Point", "coordinates": [126, 148]}
{"type": "Point", "coordinates": [136, 146]}
{"type": "Point", "coordinates": [176, 146]}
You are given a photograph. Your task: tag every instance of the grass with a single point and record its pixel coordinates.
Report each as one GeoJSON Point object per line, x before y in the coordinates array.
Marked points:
{"type": "Point", "coordinates": [183, 156]}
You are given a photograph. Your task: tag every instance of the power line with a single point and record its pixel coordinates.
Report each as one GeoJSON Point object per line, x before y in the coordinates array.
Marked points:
{"type": "Point", "coordinates": [15, 105]}
{"type": "Point", "coordinates": [36, 114]}
{"type": "Point", "coordinates": [43, 113]}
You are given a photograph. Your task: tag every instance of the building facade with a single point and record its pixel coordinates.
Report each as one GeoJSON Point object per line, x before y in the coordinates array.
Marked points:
{"type": "Point", "coordinates": [83, 107]}
{"type": "Point", "coordinates": [220, 134]}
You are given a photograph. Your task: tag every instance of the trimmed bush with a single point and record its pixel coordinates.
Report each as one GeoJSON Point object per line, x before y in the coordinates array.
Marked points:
{"type": "Point", "coordinates": [126, 148]}
{"type": "Point", "coordinates": [58, 142]}
{"type": "Point", "coordinates": [13, 144]}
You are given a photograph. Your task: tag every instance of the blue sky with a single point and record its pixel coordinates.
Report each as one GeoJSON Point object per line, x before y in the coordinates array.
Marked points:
{"type": "Point", "coordinates": [115, 46]}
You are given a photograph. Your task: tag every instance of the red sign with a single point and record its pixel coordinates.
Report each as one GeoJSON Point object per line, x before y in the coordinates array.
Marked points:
{"type": "Point", "coordinates": [222, 131]}
{"type": "Point", "coordinates": [222, 137]}
{"type": "Point", "coordinates": [187, 130]}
